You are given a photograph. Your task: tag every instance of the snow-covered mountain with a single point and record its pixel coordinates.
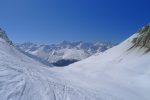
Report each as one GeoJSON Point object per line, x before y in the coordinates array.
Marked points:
{"type": "Point", "coordinates": [120, 73]}
{"type": "Point", "coordinates": [23, 78]}
{"type": "Point", "coordinates": [64, 53]}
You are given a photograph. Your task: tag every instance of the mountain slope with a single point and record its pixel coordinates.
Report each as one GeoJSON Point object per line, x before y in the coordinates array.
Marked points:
{"type": "Point", "coordinates": [65, 52]}
{"type": "Point", "coordinates": [22, 78]}
{"type": "Point", "coordinates": [120, 73]}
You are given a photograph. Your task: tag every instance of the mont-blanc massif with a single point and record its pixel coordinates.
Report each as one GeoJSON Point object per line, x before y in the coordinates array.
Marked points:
{"type": "Point", "coordinates": [74, 50]}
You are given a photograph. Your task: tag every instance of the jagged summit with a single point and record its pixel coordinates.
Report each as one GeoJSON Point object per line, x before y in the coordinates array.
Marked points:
{"type": "Point", "coordinates": [143, 37]}
{"type": "Point", "coordinates": [4, 36]}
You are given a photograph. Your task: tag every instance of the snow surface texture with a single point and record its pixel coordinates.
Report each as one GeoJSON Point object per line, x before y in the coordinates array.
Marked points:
{"type": "Point", "coordinates": [120, 73]}
{"type": "Point", "coordinates": [73, 51]}
{"type": "Point", "coordinates": [22, 78]}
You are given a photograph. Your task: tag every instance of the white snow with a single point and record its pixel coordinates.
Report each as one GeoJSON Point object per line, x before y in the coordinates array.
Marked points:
{"type": "Point", "coordinates": [67, 54]}
{"type": "Point", "coordinates": [119, 73]}
{"type": "Point", "coordinates": [22, 78]}
{"type": "Point", "coordinates": [64, 51]}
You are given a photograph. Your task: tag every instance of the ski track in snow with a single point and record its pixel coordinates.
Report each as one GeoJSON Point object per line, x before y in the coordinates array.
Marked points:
{"type": "Point", "coordinates": [22, 81]}
{"type": "Point", "coordinates": [117, 74]}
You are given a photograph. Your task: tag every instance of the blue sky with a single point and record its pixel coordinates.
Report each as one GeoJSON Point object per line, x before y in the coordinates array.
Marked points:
{"type": "Point", "coordinates": [52, 21]}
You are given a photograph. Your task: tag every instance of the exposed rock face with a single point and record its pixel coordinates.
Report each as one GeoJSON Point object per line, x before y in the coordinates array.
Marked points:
{"type": "Point", "coordinates": [143, 39]}
{"type": "Point", "coordinates": [4, 36]}
{"type": "Point", "coordinates": [64, 62]}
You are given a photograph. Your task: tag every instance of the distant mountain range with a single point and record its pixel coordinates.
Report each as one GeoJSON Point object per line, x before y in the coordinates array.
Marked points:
{"type": "Point", "coordinates": [64, 53]}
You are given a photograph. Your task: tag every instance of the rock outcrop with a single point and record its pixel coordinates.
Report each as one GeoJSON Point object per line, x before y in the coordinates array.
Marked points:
{"type": "Point", "coordinates": [143, 38]}
{"type": "Point", "coordinates": [4, 36]}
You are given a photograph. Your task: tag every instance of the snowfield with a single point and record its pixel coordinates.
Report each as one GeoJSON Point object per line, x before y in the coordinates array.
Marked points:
{"type": "Point", "coordinates": [120, 73]}
{"type": "Point", "coordinates": [22, 78]}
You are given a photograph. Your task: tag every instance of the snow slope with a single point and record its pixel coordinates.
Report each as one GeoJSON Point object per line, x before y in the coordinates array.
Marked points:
{"type": "Point", "coordinates": [22, 78]}
{"type": "Point", "coordinates": [120, 73]}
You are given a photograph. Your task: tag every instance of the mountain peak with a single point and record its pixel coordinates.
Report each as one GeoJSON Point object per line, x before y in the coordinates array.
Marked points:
{"type": "Point", "coordinates": [143, 37]}
{"type": "Point", "coordinates": [145, 29]}
{"type": "Point", "coordinates": [4, 36]}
